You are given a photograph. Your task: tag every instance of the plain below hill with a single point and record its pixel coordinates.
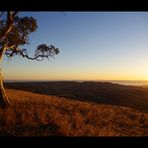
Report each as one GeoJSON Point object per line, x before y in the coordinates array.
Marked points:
{"type": "Point", "coordinates": [98, 92]}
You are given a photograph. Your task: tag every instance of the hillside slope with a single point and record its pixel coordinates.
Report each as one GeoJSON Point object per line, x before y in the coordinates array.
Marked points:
{"type": "Point", "coordinates": [99, 92]}
{"type": "Point", "coordinates": [40, 115]}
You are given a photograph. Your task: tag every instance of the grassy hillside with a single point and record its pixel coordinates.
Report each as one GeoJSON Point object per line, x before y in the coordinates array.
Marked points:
{"type": "Point", "coordinates": [40, 115]}
{"type": "Point", "coordinates": [100, 92]}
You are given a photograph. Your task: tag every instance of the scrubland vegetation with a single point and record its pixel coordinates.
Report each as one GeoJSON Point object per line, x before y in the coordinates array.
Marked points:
{"type": "Point", "coordinates": [32, 114]}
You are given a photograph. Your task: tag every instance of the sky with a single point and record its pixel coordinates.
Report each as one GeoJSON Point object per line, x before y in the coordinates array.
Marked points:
{"type": "Point", "coordinates": [93, 46]}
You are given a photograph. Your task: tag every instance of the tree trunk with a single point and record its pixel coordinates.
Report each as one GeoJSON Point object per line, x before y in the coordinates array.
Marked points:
{"type": "Point", "coordinates": [4, 101]}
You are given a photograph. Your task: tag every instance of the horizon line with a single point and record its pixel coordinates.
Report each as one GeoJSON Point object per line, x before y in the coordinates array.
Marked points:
{"type": "Point", "coordinates": [68, 80]}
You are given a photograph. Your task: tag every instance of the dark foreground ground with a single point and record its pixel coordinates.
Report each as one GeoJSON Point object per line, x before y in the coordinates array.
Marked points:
{"type": "Point", "coordinates": [32, 114]}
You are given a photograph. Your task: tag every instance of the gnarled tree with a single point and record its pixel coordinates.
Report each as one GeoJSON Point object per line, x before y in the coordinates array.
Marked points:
{"type": "Point", "coordinates": [14, 33]}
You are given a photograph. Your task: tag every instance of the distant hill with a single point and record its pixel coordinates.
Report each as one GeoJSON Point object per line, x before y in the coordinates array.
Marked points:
{"type": "Point", "coordinates": [99, 92]}
{"type": "Point", "coordinates": [33, 114]}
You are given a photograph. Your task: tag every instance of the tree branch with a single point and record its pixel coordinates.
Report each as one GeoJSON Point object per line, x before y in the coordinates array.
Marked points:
{"type": "Point", "coordinates": [42, 51]}
{"type": "Point", "coordinates": [24, 54]}
{"type": "Point", "coordinates": [14, 14]}
{"type": "Point", "coordinates": [9, 22]}
{"type": "Point", "coordinates": [34, 58]}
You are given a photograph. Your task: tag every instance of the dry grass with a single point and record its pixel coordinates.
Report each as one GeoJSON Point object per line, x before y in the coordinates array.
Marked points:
{"type": "Point", "coordinates": [40, 115]}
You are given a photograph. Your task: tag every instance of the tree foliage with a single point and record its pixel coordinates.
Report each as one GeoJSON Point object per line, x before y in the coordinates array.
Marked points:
{"type": "Point", "coordinates": [15, 31]}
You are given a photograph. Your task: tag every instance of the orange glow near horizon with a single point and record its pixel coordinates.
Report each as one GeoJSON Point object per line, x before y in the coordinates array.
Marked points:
{"type": "Point", "coordinates": [94, 76]}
